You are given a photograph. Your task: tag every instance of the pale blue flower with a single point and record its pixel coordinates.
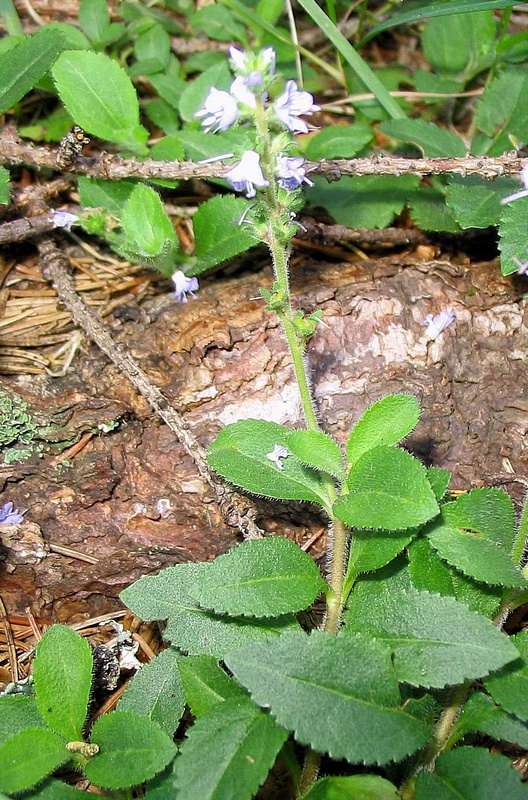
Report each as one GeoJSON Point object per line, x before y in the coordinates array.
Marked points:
{"type": "Point", "coordinates": [524, 192]}
{"type": "Point", "coordinates": [247, 175]}
{"type": "Point", "coordinates": [219, 112]}
{"type": "Point", "coordinates": [290, 173]}
{"type": "Point", "coordinates": [253, 66]}
{"type": "Point", "coordinates": [9, 515]}
{"type": "Point", "coordinates": [240, 90]}
{"type": "Point", "coordinates": [63, 219]}
{"type": "Point", "coordinates": [291, 104]}
{"type": "Point", "coordinates": [522, 266]}
{"type": "Point", "coordinates": [278, 452]}
{"type": "Point", "coordinates": [435, 325]}
{"type": "Point", "coordinates": [182, 285]}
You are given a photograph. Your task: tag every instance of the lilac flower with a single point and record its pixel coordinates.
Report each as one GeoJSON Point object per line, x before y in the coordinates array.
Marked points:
{"type": "Point", "coordinates": [239, 58]}
{"type": "Point", "coordinates": [435, 325]}
{"type": "Point", "coordinates": [278, 452]}
{"type": "Point", "coordinates": [522, 266]}
{"type": "Point", "coordinates": [290, 173]}
{"type": "Point", "coordinates": [524, 192]}
{"type": "Point", "coordinates": [247, 174]}
{"type": "Point", "coordinates": [63, 219]}
{"type": "Point", "coordinates": [240, 90]}
{"type": "Point", "coordinates": [9, 515]}
{"type": "Point", "coordinates": [182, 285]}
{"type": "Point", "coordinates": [220, 111]}
{"type": "Point", "coordinates": [292, 103]}
{"type": "Point", "coordinates": [253, 66]}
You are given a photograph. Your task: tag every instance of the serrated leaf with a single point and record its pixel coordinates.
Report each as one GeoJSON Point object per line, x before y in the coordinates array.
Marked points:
{"type": "Point", "coordinates": [509, 687]}
{"type": "Point", "coordinates": [100, 97]}
{"type": "Point", "coordinates": [100, 193]}
{"type": "Point", "coordinates": [481, 714]}
{"type": "Point", "coordinates": [94, 19]}
{"type": "Point", "coordinates": [439, 480]}
{"type": "Point", "coordinates": [456, 41]}
{"type": "Point", "coordinates": [316, 449]}
{"type": "Point", "coordinates": [475, 534]}
{"type": "Point", "coordinates": [28, 757]}
{"type": "Point", "coordinates": [51, 789]}
{"type": "Point", "coordinates": [132, 749]}
{"type": "Point", "coordinates": [309, 682]}
{"type": "Point", "coordinates": [470, 773]}
{"type": "Point", "coordinates": [5, 195]}
{"type": "Point", "coordinates": [191, 628]}
{"type": "Point", "coordinates": [502, 109]}
{"type": "Point", "coordinates": [156, 692]}
{"type": "Point", "coordinates": [429, 211]}
{"type": "Point", "coordinates": [386, 422]}
{"type": "Point", "coordinates": [18, 712]}
{"type": "Point", "coordinates": [240, 454]}
{"type": "Point", "coordinates": [25, 63]}
{"type": "Point", "coordinates": [433, 141]}
{"type": "Point", "coordinates": [62, 671]}
{"type": "Point", "coordinates": [147, 227]}
{"type": "Point", "coordinates": [339, 141]}
{"type": "Point", "coordinates": [475, 202]}
{"type": "Point", "coordinates": [370, 551]}
{"type": "Point", "coordinates": [388, 490]}
{"type": "Point", "coordinates": [512, 232]}
{"type": "Point", "coordinates": [245, 742]}
{"type": "Point", "coordinates": [206, 684]}
{"type": "Point", "coordinates": [219, 236]}
{"type": "Point", "coordinates": [353, 787]}
{"type": "Point", "coordinates": [261, 578]}
{"type": "Point", "coordinates": [436, 641]}
{"type": "Point", "coordinates": [368, 201]}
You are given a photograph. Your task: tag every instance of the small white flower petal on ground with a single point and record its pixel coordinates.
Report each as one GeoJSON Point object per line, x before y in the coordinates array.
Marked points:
{"type": "Point", "coordinates": [290, 173]}
{"type": "Point", "coordinates": [220, 111]}
{"type": "Point", "coordinates": [247, 175]}
{"type": "Point", "coordinates": [435, 325]}
{"type": "Point", "coordinates": [278, 452]}
{"type": "Point", "coordinates": [63, 219]}
{"type": "Point", "coordinates": [291, 104]}
{"type": "Point", "coordinates": [240, 90]}
{"type": "Point", "coordinates": [182, 285]}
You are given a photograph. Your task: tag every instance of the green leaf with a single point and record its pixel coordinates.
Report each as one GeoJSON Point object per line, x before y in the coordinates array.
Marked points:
{"type": "Point", "coordinates": [386, 422]}
{"type": "Point", "coordinates": [169, 84]}
{"type": "Point", "coordinates": [132, 750]}
{"type": "Point", "coordinates": [433, 141]}
{"type": "Point", "coordinates": [512, 233]}
{"type": "Point", "coordinates": [502, 109]}
{"type": "Point", "coordinates": [94, 19]}
{"type": "Point", "coordinates": [18, 712]}
{"type": "Point", "coordinates": [388, 490]}
{"type": "Point", "coordinates": [262, 578]}
{"type": "Point", "coordinates": [368, 201]}
{"type": "Point", "coordinates": [100, 97]}
{"type": "Point", "coordinates": [154, 47]}
{"type": "Point", "coordinates": [509, 687]}
{"type": "Point", "coordinates": [147, 227]}
{"type": "Point", "coordinates": [481, 714]}
{"type": "Point", "coordinates": [217, 232]}
{"type": "Point", "coordinates": [429, 210]}
{"type": "Point", "coordinates": [167, 149]}
{"type": "Point", "coordinates": [23, 65]}
{"type": "Point", "coordinates": [110, 195]}
{"type": "Point", "coordinates": [196, 91]}
{"type": "Point", "coordinates": [475, 202]}
{"type": "Point", "coordinates": [370, 551]}
{"type": "Point", "coordinates": [28, 757]}
{"type": "Point", "coordinates": [240, 454]}
{"type": "Point", "coordinates": [156, 692]}
{"type": "Point", "coordinates": [206, 684]}
{"type": "Point", "coordinates": [245, 742]}
{"type": "Point", "coordinates": [339, 141]}
{"type": "Point", "coordinates": [470, 773]}
{"type": "Point", "coordinates": [51, 789]}
{"type": "Point", "coordinates": [219, 23]}
{"type": "Point", "coordinates": [191, 628]}
{"type": "Point", "coordinates": [62, 671]}
{"type": "Point", "coordinates": [475, 535]}
{"type": "Point", "coordinates": [457, 41]}
{"type": "Point", "coordinates": [311, 682]}
{"type": "Point", "coordinates": [354, 787]}
{"type": "Point", "coordinates": [316, 449]}
{"type": "Point", "coordinates": [436, 641]}
{"type": "Point", "coordinates": [199, 146]}
{"type": "Point", "coordinates": [439, 480]}
{"type": "Point", "coordinates": [5, 189]}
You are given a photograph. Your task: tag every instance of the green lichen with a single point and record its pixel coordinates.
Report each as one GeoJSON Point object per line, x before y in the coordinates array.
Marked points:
{"type": "Point", "coordinates": [19, 428]}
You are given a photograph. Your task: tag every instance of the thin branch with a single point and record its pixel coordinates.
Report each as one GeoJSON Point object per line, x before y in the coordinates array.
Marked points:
{"type": "Point", "coordinates": [237, 511]}
{"type": "Point", "coordinates": [21, 229]}
{"type": "Point", "coordinates": [112, 167]}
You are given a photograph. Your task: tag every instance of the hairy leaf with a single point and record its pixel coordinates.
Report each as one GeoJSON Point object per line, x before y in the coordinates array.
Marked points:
{"type": "Point", "coordinates": [511, 236]}
{"type": "Point", "coordinates": [310, 682]}
{"type": "Point", "coordinates": [436, 641]}
{"type": "Point", "coordinates": [388, 490]}
{"type": "Point", "coordinates": [147, 227]}
{"type": "Point", "coordinates": [386, 422]}
{"type": "Point", "coordinates": [156, 692]}
{"type": "Point", "coordinates": [475, 202]}
{"type": "Point", "coordinates": [28, 757]}
{"type": "Point", "coordinates": [16, 713]}
{"type": "Point", "coordinates": [370, 551]}
{"type": "Point", "coordinates": [433, 141]}
{"type": "Point", "coordinates": [339, 141]}
{"type": "Point", "coordinates": [100, 193]}
{"type": "Point", "coordinates": [460, 41]}
{"type": "Point", "coordinates": [509, 686]}
{"type": "Point", "coordinates": [481, 714]}
{"type": "Point", "coordinates": [502, 110]}
{"type": "Point", "coordinates": [25, 63]}
{"type": "Point", "coordinates": [206, 684]}
{"type": "Point", "coordinates": [353, 787]}
{"type": "Point", "coordinates": [245, 742]}
{"type": "Point", "coordinates": [219, 236]}
{"type": "Point", "coordinates": [316, 449]}
{"type": "Point", "coordinates": [62, 671]}
{"type": "Point", "coordinates": [263, 578]}
{"type": "Point", "coordinates": [132, 750]}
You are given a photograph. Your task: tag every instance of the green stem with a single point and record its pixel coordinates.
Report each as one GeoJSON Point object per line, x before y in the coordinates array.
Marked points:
{"type": "Point", "coordinates": [310, 772]}
{"type": "Point", "coordinates": [11, 19]}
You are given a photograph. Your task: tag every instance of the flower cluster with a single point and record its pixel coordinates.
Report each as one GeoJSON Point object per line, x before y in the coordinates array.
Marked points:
{"type": "Point", "coordinates": [248, 93]}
